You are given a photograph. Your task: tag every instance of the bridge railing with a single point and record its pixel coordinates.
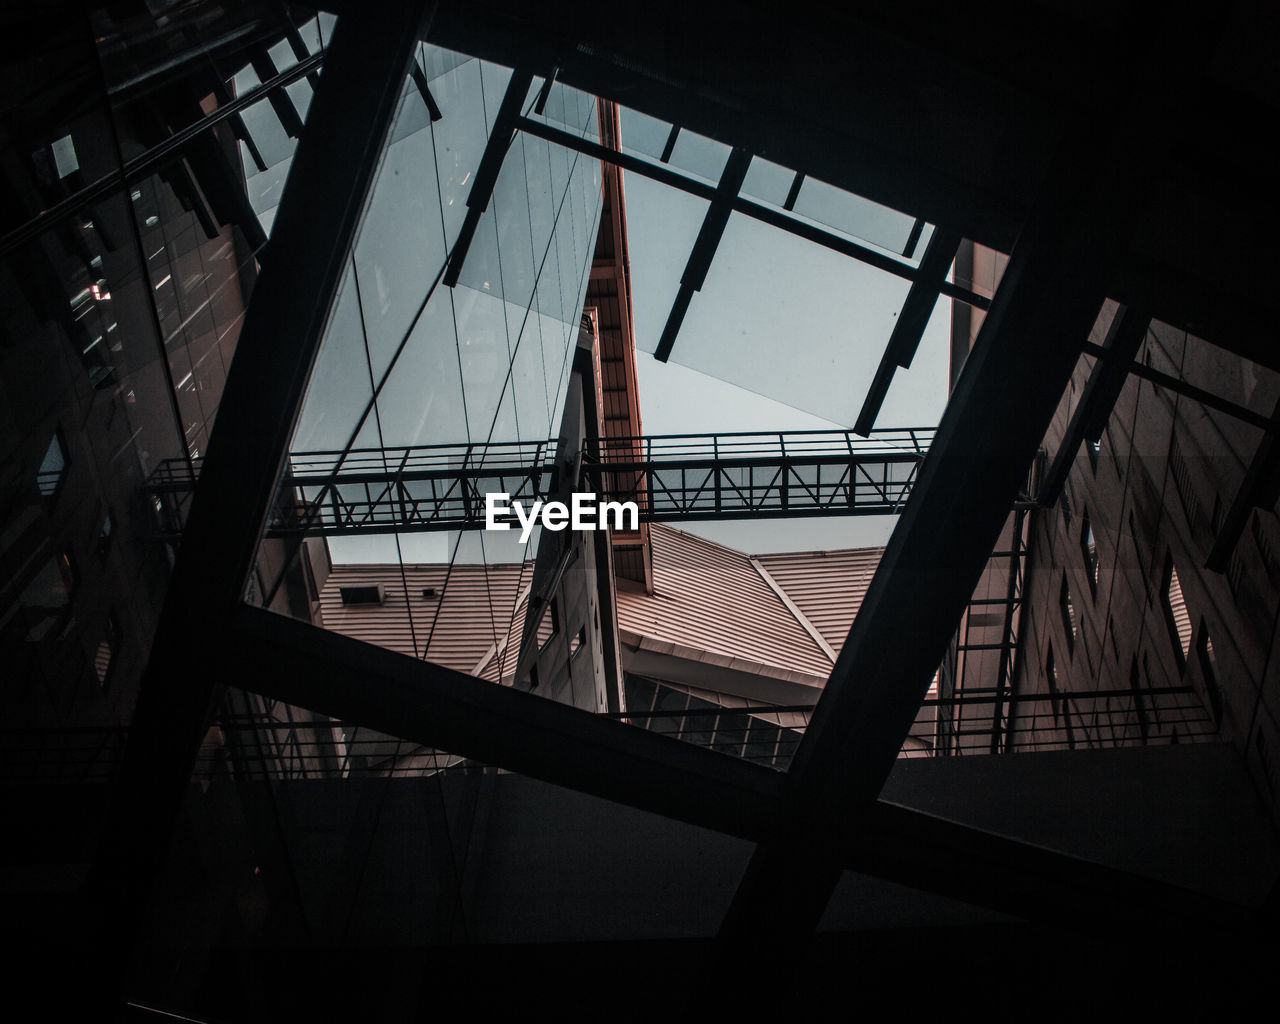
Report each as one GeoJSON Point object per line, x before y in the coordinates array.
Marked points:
{"type": "Point", "coordinates": [771, 445]}
{"type": "Point", "coordinates": [671, 477]}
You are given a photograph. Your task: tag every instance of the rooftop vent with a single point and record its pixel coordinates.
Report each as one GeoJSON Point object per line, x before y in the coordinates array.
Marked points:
{"type": "Point", "coordinates": [375, 593]}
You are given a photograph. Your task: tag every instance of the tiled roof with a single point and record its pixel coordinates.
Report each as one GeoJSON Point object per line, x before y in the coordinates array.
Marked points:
{"type": "Point", "coordinates": [827, 586]}
{"type": "Point", "coordinates": [710, 604]}
{"type": "Point", "coordinates": [476, 608]}
{"type": "Point", "coordinates": [710, 600]}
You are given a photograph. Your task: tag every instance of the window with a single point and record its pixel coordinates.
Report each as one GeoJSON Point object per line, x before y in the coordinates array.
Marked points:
{"type": "Point", "coordinates": [1089, 549]}
{"type": "Point", "coordinates": [64, 156]}
{"type": "Point", "coordinates": [1115, 644]}
{"type": "Point", "coordinates": [1068, 613]}
{"type": "Point", "coordinates": [577, 641]}
{"type": "Point", "coordinates": [104, 657]}
{"type": "Point", "coordinates": [1209, 670]}
{"type": "Point", "coordinates": [554, 610]}
{"type": "Point", "coordinates": [1182, 483]}
{"type": "Point", "coordinates": [1177, 617]}
{"type": "Point", "coordinates": [53, 467]}
{"type": "Point", "coordinates": [373, 594]}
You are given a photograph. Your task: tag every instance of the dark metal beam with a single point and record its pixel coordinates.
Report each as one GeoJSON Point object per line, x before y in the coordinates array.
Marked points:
{"type": "Point", "coordinates": [913, 239]}
{"type": "Point", "coordinates": [437, 707]}
{"type": "Point", "coordinates": [495, 152]}
{"type": "Point", "coordinates": [912, 320]}
{"type": "Point", "coordinates": [834, 120]}
{"type": "Point", "coordinates": [1081, 226]}
{"type": "Point", "coordinates": [742, 204]}
{"type": "Point", "coordinates": [1124, 339]}
{"type": "Point", "coordinates": [424, 90]}
{"type": "Point", "coordinates": [669, 146]}
{"type": "Point", "coordinates": [589, 147]}
{"type": "Point", "coordinates": [704, 247]}
{"type": "Point", "coordinates": [544, 93]}
{"type": "Point", "coordinates": [280, 100]}
{"type": "Point", "coordinates": [1002, 403]}
{"type": "Point", "coordinates": [332, 175]}
{"type": "Point", "coordinates": [1170, 383]}
{"type": "Point", "coordinates": [940, 149]}
{"type": "Point", "coordinates": [793, 193]}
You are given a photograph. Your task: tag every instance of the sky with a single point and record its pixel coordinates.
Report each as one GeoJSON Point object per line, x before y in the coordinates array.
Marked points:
{"type": "Point", "coordinates": [784, 302]}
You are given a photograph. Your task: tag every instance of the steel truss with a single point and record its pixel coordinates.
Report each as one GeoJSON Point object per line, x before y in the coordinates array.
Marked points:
{"type": "Point", "coordinates": [671, 478]}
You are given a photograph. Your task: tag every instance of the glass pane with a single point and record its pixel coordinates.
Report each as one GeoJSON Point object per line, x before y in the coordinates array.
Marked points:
{"type": "Point", "coordinates": [485, 359]}
{"type": "Point", "coordinates": [702, 157]}
{"type": "Point", "coordinates": [494, 81]}
{"type": "Point", "coordinates": [52, 467]}
{"type": "Point", "coordinates": [918, 394]}
{"type": "Point", "coordinates": [642, 135]}
{"type": "Point", "coordinates": [401, 246]}
{"type": "Point", "coordinates": [567, 108]}
{"type": "Point", "coordinates": [853, 216]}
{"type": "Point", "coordinates": [768, 182]}
{"type": "Point", "coordinates": [483, 362]}
{"type": "Point", "coordinates": [459, 138]}
{"type": "Point", "coordinates": [422, 402]}
{"type": "Point", "coordinates": [534, 391]}
{"type": "Point", "coordinates": [790, 320]}
{"type": "Point", "coordinates": [662, 223]}
{"type": "Point", "coordinates": [52, 150]}
{"type": "Point", "coordinates": [437, 61]}
{"type": "Point", "coordinates": [264, 127]}
{"type": "Point", "coordinates": [339, 390]}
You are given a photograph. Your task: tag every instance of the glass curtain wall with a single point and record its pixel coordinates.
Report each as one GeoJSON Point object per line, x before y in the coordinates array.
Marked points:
{"type": "Point", "coordinates": [408, 363]}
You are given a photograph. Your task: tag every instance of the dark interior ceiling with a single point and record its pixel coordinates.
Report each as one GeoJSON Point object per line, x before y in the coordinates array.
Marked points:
{"type": "Point", "coordinates": [958, 115]}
